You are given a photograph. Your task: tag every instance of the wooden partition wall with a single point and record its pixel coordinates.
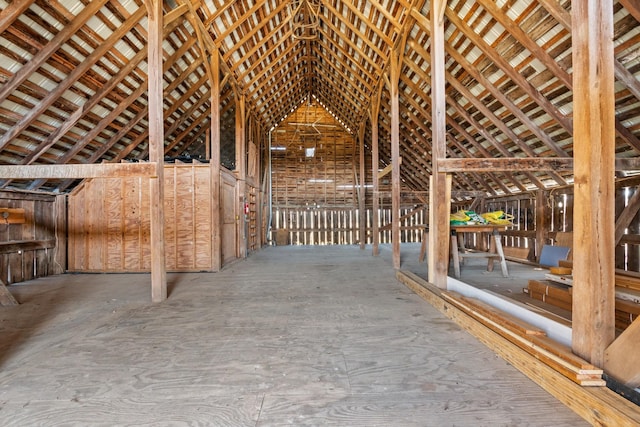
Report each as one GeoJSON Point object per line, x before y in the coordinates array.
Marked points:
{"type": "Point", "coordinates": [109, 222]}
{"type": "Point", "coordinates": [32, 236]}
{"type": "Point", "coordinates": [341, 226]}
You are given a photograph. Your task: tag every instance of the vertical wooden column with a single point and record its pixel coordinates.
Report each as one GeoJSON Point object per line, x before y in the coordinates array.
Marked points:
{"type": "Point", "coordinates": [375, 163]}
{"type": "Point", "coordinates": [396, 59]}
{"type": "Point", "coordinates": [362, 190]}
{"type": "Point", "coordinates": [214, 163]}
{"type": "Point", "coordinates": [241, 172]}
{"type": "Point", "coordinates": [441, 198]}
{"type": "Point", "coordinates": [594, 171]}
{"type": "Point", "coordinates": [542, 221]}
{"type": "Point", "coordinates": [156, 151]}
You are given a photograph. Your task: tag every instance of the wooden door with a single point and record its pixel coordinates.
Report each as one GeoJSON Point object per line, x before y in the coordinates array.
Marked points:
{"type": "Point", "coordinates": [228, 238]}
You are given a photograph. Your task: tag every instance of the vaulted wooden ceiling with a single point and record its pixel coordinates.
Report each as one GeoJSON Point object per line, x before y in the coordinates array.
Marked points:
{"type": "Point", "coordinates": [73, 78]}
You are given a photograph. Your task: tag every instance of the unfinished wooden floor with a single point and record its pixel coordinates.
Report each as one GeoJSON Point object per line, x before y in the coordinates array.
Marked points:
{"type": "Point", "coordinates": [302, 336]}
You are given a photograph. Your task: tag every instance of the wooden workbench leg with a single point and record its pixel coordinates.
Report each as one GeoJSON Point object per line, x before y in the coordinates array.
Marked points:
{"type": "Point", "coordinates": [455, 256]}
{"type": "Point", "coordinates": [499, 251]}
{"type": "Point", "coordinates": [492, 250]}
{"type": "Point", "coordinates": [6, 299]}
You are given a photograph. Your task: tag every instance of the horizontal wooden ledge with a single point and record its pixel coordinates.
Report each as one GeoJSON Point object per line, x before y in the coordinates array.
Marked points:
{"type": "Point", "coordinates": [78, 171]}
{"type": "Point", "coordinates": [515, 164]}
{"type": "Point", "coordinates": [26, 245]}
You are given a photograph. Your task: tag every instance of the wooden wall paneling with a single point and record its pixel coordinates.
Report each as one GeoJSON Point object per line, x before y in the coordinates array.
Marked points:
{"type": "Point", "coordinates": [185, 216]}
{"type": "Point", "coordinates": [228, 209]}
{"type": "Point", "coordinates": [146, 247]}
{"type": "Point", "coordinates": [96, 227]}
{"type": "Point", "coordinates": [29, 233]}
{"type": "Point", "coordinates": [203, 227]}
{"type": "Point", "coordinates": [72, 229]}
{"type": "Point", "coordinates": [171, 211]}
{"type": "Point", "coordinates": [132, 224]}
{"type": "Point", "coordinates": [58, 264]}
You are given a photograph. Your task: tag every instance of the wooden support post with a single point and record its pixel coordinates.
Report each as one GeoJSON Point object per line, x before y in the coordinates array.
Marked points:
{"type": "Point", "coordinates": [241, 173]}
{"type": "Point", "coordinates": [542, 221]}
{"type": "Point", "coordinates": [594, 158]}
{"type": "Point", "coordinates": [362, 218]}
{"type": "Point", "coordinates": [440, 193]}
{"type": "Point", "coordinates": [435, 253]}
{"type": "Point", "coordinates": [214, 163]}
{"type": "Point", "coordinates": [396, 65]}
{"type": "Point", "coordinates": [156, 151]}
{"type": "Point", "coordinates": [375, 162]}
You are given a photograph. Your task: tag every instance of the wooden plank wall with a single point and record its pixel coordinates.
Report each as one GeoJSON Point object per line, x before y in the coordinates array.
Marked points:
{"type": "Point", "coordinates": [109, 223]}
{"type": "Point", "coordinates": [334, 226]}
{"type": "Point", "coordinates": [35, 248]}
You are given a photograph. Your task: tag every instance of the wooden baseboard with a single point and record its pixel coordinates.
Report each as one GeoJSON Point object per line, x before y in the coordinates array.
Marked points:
{"type": "Point", "coordinates": [597, 405]}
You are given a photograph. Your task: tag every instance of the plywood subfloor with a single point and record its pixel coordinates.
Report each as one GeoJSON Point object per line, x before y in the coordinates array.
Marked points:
{"type": "Point", "coordinates": [302, 336]}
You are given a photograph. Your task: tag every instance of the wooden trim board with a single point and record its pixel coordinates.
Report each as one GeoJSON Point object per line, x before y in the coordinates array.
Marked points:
{"type": "Point", "coordinates": [597, 405]}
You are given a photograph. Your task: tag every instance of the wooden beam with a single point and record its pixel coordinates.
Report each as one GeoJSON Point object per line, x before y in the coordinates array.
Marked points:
{"type": "Point", "coordinates": [451, 165]}
{"type": "Point", "coordinates": [215, 163]}
{"type": "Point", "coordinates": [440, 192]}
{"type": "Point", "coordinates": [71, 78]}
{"type": "Point", "coordinates": [394, 77]}
{"type": "Point", "coordinates": [622, 358]}
{"type": "Point", "coordinates": [156, 150]}
{"type": "Point", "coordinates": [633, 7]}
{"type": "Point", "coordinates": [594, 151]}
{"type": "Point", "coordinates": [375, 163]}
{"type": "Point", "coordinates": [627, 215]}
{"type": "Point", "coordinates": [542, 221]}
{"type": "Point", "coordinates": [52, 46]}
{"type": "Point", "coordinates": [12, 12]}
{"type": "Point", "coordinates": [387, 169]}
{"type": "Point", "coordinates": [78, 171]}
{"type": "Point", "coordinates": [241, 172]}
{"type": "Point", "coordinates": [362, 217]}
